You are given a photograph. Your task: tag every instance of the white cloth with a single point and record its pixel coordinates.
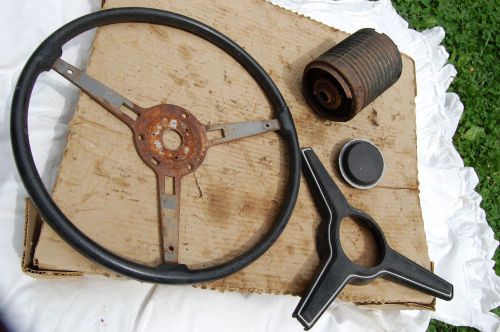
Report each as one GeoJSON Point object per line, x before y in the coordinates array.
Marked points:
{"type": "Point", "coordinates": [460, 242]}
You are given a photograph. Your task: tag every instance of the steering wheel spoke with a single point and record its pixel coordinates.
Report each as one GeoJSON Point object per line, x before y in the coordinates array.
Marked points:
{"type": "Point", "coordinates": [224, 133]}
{"type": "Point", "coordinates": [105, 96]}
{"type": "Point", "coordinates": [169, 199]}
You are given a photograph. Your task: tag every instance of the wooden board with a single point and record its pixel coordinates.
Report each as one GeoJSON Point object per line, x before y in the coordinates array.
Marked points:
{"type": "Point", "coordinates": [230, 201]}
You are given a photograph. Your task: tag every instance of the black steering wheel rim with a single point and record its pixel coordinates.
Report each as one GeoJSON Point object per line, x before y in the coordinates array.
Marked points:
{"type": "Point", "coordinates": [42, 59]}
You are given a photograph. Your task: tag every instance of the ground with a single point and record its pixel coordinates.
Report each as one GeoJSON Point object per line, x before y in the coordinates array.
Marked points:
{"type": "Point", "coordinates": [473, 43]}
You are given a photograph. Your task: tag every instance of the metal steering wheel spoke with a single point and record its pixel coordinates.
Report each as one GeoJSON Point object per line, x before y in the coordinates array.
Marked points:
{"type": "Point", "coordinates": [169, 199]}
{"type": "Point", "coordinates": [233, 131]}
{"type": "Point", "coordinates": [105, 96]}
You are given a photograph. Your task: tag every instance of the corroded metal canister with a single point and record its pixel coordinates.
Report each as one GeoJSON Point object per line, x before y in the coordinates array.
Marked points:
{"type": "Point", "coordinates": [346, 78]}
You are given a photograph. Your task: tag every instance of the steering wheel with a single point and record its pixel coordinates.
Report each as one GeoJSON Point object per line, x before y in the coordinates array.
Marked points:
{"type": "Point", "coordinates": [148, 127]}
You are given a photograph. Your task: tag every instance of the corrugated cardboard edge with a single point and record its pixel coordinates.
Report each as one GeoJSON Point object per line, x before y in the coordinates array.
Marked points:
{"type": "Point", "coordinates": [373, 304]}
{"type": "Point", "coordinates": [32, 227]}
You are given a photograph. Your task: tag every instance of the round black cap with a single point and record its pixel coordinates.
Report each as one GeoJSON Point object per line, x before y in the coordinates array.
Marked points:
{"type": "Point", "coordinates": [361, 163]}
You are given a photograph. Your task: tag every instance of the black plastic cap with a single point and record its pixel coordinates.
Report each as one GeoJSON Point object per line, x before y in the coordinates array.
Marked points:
{"type": "Point", "coordinates": [361, 163]}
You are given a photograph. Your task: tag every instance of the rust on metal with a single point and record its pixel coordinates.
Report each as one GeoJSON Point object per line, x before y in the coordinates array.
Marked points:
{"type": "Point", "coordinates": [169, 162]}
{"type": "Point", "coordinates": [169, 139]}
{"type": "Point", "coordinates": [341, 82]}
{"type": "Point", "coordinates": [149, 137]}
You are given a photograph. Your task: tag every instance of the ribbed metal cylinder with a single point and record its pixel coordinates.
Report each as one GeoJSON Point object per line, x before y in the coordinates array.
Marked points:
{"type": "Point", "coordinates": [341, 82]}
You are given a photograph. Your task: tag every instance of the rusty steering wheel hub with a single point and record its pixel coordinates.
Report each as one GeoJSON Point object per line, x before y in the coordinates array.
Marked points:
{"type": "Point", "coordinates": [168, 138]}
{"type": "Point", "coordinates": [174, 158]}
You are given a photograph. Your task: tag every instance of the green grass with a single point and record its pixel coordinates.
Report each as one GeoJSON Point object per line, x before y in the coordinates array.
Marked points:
{"type": "Point", "coordinates": [473, 41]}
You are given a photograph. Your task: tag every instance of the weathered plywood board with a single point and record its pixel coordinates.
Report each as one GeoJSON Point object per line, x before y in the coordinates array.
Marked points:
{"type": "Point", "coordinates": [230, 201]}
